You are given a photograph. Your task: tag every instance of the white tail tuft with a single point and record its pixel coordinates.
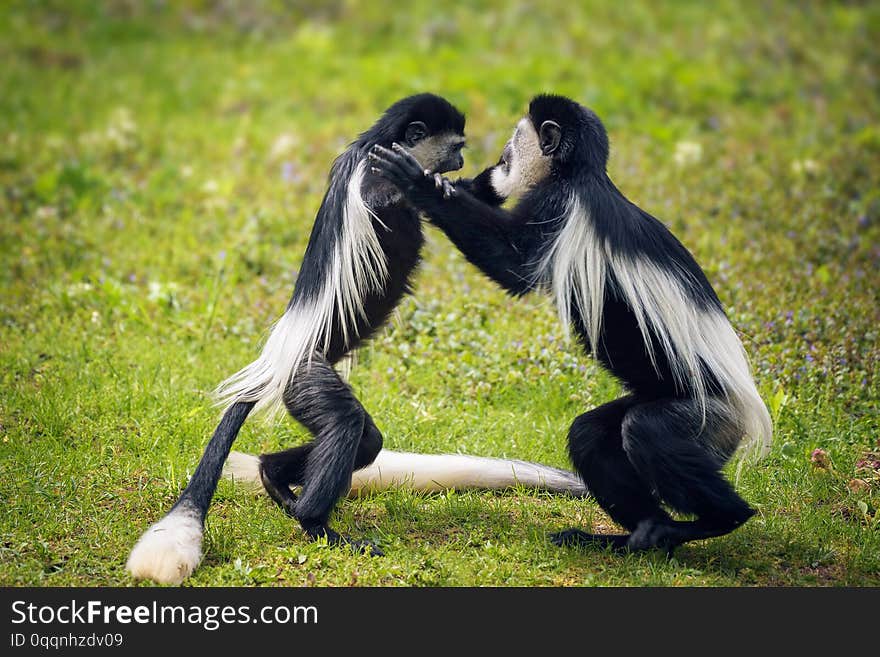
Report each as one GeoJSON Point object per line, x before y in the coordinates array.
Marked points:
{"type": "Point", "coordinates": [169, 550]}
{"type": "Point", "coordinates": [243, 468]}
{"type": "Point", "coordinates": [431, 473]}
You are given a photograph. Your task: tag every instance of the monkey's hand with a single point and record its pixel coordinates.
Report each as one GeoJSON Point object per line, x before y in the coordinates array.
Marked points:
{"type": "Point", "coordinates": [448, 187]}
{"type": "Point", "coordinates": [403, 170]}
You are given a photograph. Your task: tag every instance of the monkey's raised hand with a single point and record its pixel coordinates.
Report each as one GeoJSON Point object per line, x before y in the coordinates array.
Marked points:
{"type": "Point", "coordinates": [400, 168]}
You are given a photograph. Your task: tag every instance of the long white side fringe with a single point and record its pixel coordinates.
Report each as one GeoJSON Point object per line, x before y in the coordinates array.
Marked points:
{"type": "Point", "coordinates": [579, 264]}
{"type": "Point", "coordinates": [359, 266]}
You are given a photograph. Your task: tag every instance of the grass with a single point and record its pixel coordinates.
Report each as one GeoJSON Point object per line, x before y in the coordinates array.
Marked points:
{"type": "Point", "coordinates": [161, 167]}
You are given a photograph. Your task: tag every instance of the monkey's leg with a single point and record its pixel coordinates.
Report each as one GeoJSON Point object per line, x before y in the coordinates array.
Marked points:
{"type": "Point", "coordinates": [596, 449]}
{"type": "Point", "coordinates": [344, 436]}
{"type": "Point", "coordinates": [281, 470]}
{"type": "Point", "coordinates": [666, 442]}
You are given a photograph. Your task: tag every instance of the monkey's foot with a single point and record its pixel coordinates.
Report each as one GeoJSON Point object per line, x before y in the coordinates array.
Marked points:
{"type": "Point", "coordinates": [659, 534]}
{"type": "Point", "coordinates": [280, 493]}
{"type": "Point", "coordinates": [577, 538]}
{"type": "Point", "coordinates": [655, 535]}
{"type": "Point", "coordinates": [336, 539]}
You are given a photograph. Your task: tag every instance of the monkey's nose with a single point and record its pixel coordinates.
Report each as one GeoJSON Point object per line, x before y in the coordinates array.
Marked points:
{"type": "Point", "coordinates": [460, 162]}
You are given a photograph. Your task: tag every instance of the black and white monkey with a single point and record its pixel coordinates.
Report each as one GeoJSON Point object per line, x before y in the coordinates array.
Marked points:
{"type": "Point", "coordinates": [637, 300]}
{"type": "Point", "coordinates": [361, 254]}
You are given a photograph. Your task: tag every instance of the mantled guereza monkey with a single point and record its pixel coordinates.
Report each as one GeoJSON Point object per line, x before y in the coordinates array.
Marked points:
{"type": "Point", "coordinates": [361, 254]}
{"type": "Point", "coordinates": [637, 300]}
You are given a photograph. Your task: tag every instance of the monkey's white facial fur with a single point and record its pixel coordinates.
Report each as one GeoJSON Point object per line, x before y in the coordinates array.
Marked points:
{"type": "Point", "coordinates": [439, 153]}
{"type": "Point", "coordinates": [523, 165]}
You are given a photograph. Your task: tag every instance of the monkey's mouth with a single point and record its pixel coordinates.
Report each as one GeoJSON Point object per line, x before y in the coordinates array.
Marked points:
{"type": "Point", "coordinates": [450, 165]}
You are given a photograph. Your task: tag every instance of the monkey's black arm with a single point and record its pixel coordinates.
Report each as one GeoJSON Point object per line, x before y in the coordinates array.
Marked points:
{"type": "Point", "coordinates": [484, 234]}
{"type": "Point", "coordinates": [489, 237]}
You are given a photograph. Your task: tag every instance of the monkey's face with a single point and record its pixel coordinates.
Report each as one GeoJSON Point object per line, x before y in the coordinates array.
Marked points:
{"type": "Point", "coordinates": [526, 159]}
{"type": "Point", "coordinates": [438, 153]}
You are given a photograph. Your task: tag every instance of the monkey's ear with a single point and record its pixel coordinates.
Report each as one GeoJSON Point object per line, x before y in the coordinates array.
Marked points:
{"type": "Point", "coordinates": [549, 136]}
{"type": "Point", "coordinates": [414, 132]}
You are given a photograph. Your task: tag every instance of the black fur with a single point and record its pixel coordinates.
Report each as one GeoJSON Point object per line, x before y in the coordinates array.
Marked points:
{"type": "Point", "coordinates": [481, 188]}
{"type": "Point", "coordinates": [655, 445]}
{"type": "Point", "coordinates": [345, 436]}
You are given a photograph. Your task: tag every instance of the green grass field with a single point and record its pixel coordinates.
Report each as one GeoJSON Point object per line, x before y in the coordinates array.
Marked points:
{"type": "Point", "coordinates": [160, 170]}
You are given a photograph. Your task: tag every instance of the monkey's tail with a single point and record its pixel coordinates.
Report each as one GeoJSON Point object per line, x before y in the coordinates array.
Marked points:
{"type": "Point", "coordinates": [432, 472]}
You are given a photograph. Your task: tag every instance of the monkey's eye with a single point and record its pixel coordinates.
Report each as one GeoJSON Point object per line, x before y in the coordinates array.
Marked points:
{"type": "Point", "coordinates": [505, 155]}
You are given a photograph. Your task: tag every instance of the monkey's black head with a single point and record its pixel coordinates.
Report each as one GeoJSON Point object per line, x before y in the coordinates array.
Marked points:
{"type": "Point", "coordinates": [428, 126]}
{"type": "Point", "coordinates": [569, 132]}
{"type": "Point", "coordinates": [557, 136]}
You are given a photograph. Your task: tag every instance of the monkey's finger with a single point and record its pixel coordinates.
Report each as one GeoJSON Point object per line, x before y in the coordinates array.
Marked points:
{"type": "Point", "coordinates": [394, 169]}
{"type": "Point", "coordinates": [390, 165]}
{"type": "Point", "coordinates": [399, 156]}
{"type": "Point", "coordinates": [389, 173]}
{"type": "Point", "coordinates": [411, 163]}
{"type": "Point", "coordinates": [403, 159]}
{"type": "Point", "coordinates": [390, 158]}
{"type": "Point", "coordinates": [385, 157]}
{"type": "Point", "coordinates": [381, 150]}
{"type": "Point", "coordinates": [392, 173]}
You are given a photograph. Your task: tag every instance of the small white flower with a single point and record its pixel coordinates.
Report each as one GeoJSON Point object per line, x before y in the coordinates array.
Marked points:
{"type": "Point", "coordinates": [47, 212]}
{"type": "Point", "coordinates": [283, 144]}
{"type": "Point", "coordinates": [78, 289]}
{"type": "Point", "coordinates": [154, 290]}
{"type": "Point", "coordinates": [121, 132]}
{"type": "Point", "coordinates": [807, 166]}
{"type": "Point", "coordinates": [165, 292]}
{"type": "Point", "coordinates": [688, 152]}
